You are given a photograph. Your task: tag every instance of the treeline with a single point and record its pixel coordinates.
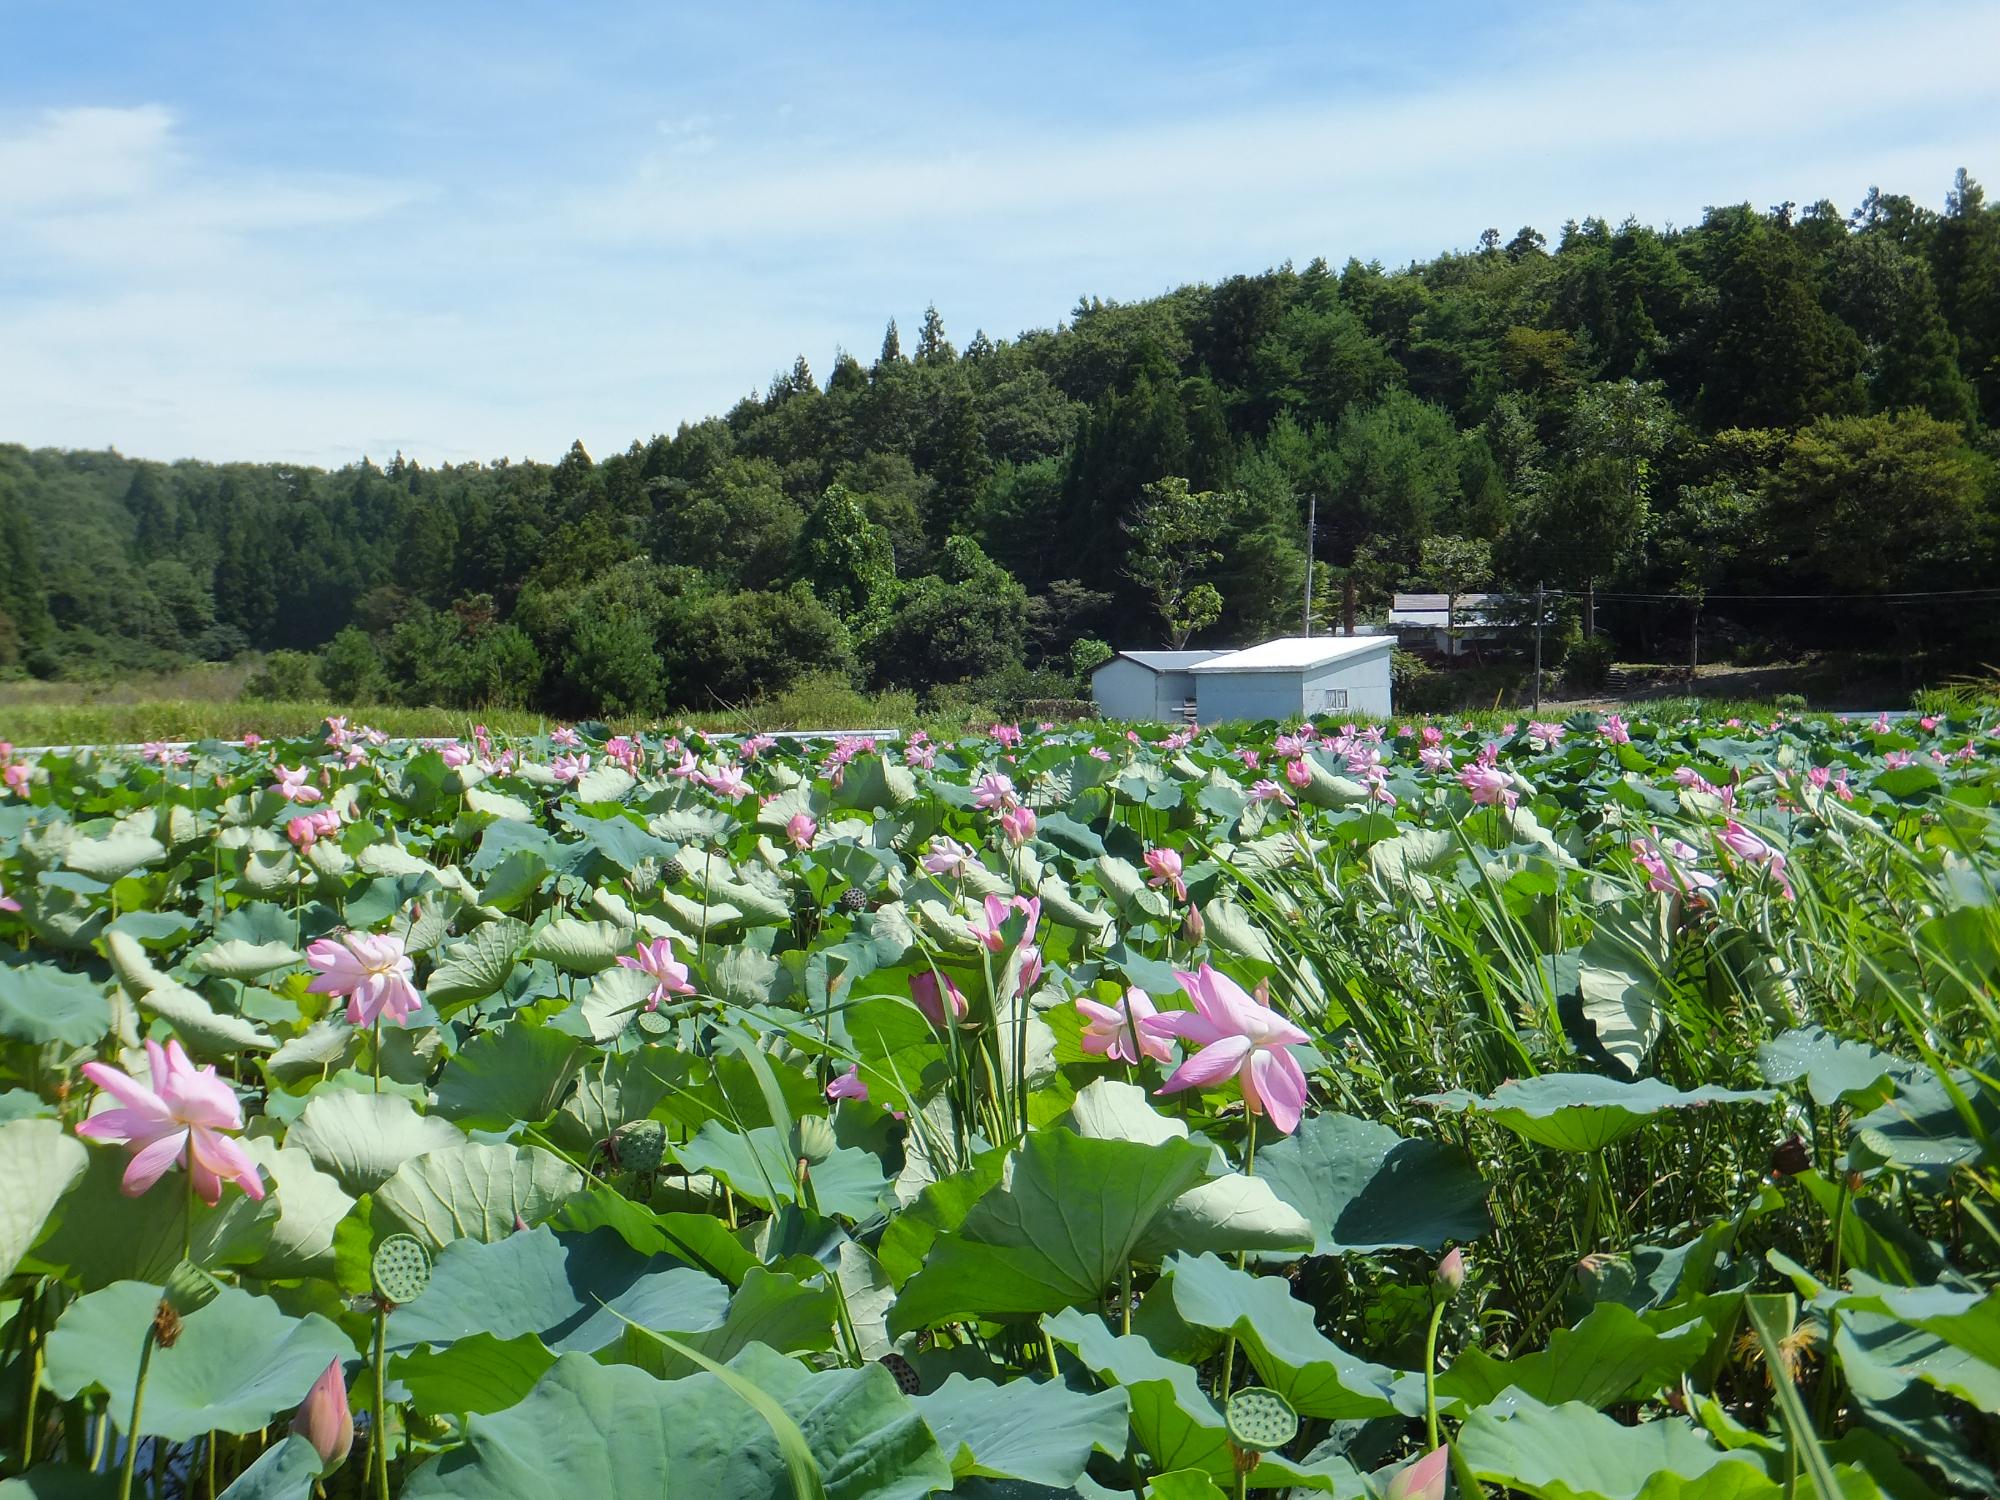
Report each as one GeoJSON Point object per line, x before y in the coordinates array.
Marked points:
{"type": "Point", "coordinates": [1790, 401]}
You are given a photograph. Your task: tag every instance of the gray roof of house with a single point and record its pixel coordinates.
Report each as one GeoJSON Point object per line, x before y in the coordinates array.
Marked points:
{"type": "Point", "coordinates": [1167, 661]}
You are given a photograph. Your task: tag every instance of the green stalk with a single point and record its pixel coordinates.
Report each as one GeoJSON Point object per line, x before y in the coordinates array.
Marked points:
{"type": "Point", "coordinates": [378, 1429]}
{"type": "Point", "coordinates": [1430, 1370]}
{"type": "Point", "coordinates": [132, 1426]}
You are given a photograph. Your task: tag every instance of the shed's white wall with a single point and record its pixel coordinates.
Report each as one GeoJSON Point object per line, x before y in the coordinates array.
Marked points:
{"type": "Point", "coordinates": [1124, 690]}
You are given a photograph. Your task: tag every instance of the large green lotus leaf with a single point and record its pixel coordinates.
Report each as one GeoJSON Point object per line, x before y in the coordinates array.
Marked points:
{"type": "Point", "coordinates": [615, 996]}
{"type": "Point", "coordinates": [521, 1071]}
{"type": "Point", "coordinates": [362, 1139]}
{"type": "Point", "coordinates": [62, 918]}
{"type": "Point", "coordinates": [1231, 928]}
{"type": "Point", "coordinates": [38, 1162]}
{"type": "Point", "coordinates": [603, 783]}
{"type": "Point", "coordinates": [476, 965]}
{"type": "Point", "coordinates": [115, 855]}
{"type": "Point", "coordinates": [60, 1482]}
{"type": "Point", "coordinates": [566, 1289]}
{"type": "Point", "coordinates": [1231, 1212]}
{"type": "Point", "coordinates": [204, 1030]}
{"type": "Point", "coordinates": [578, 946]}
{"type": "Point", "coordinates": [613, 1432]}
{"type": "Point", "coordinates": [41, 1003]}
{"type": "Point", "coordinates": [304, 1206]}
{"type": "Point", "coordinates": [1623, 1001]}
{"type": "Point", "coordinates": [1291, 1355]}
{"type": "Point", "coordinates": [1612, 1355]}
{"type": "Point", "coordinates": [1033, 1430]}
{"type": "Point", "coordinates": [1835, 1071]}
{"type": "Point", "coordinates": [284, 1471]}
{"type": "Point", "coordinates": [1055, 1233]}
{"type": "Point", "coordinates": [1571, 1452]}
{"type": "Point", "coordinates": [1964, 1320]}
{"type": "Point", "coordinates": [498, 805]}
{"type": "Point", "coordinates": [1922, 1131]}
{"type": "Point", "coordinates": [1583, 1111]}
{"type": "Point", "coordinates": [238, 1362]}
{"type": "Point", "coordinates": [771, 1308]}
{"type": "Point", "coordinates": [1174, 1423]}
{"type": "Point", "coordinates": [760, 1166]}
{"type": "Point", "coordinates": [236, 959]}
{"type": "Point", "coordinates": [478, 1373]}
{"type": "Point", "coordinates": [473, 1191]}
{"type": "Point", "coordinates": [1365, 1188]}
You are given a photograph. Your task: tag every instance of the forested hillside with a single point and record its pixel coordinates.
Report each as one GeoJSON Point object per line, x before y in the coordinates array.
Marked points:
{"type": "Point", "coordinates": [1790, 401]}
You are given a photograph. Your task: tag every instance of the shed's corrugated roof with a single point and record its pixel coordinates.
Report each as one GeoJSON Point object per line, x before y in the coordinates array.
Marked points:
{"type": "Point", "coordinates": [1168, 661]}
{"type": "Point", "coordinates": [1295, 652]}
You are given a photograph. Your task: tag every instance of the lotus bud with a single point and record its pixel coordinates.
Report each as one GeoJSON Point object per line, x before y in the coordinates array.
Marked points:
{"type": "Point", "coordinates": [325, 1420]}
{"type": "Point", "coordinates": [1424, 1479]}
{"type": "Point", "coordinates": [1450, 1273]}
{"type": "Point", "coordinates": [1193, 928]}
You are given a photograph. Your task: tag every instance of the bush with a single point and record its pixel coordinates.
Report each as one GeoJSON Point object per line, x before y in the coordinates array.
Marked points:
{"type": "Point", "coordinates": [1587, 665]}
{"type": "Point", "coordinates": [611, 665]}
{"type": "Point", "coordinates": [734, 648]}
{"type": "Point", "coordinates": [350, 668]}
{"type": "Point", "coordinates": [1087, 655]}
{"type": "Point", "coordinates": [286, 677]}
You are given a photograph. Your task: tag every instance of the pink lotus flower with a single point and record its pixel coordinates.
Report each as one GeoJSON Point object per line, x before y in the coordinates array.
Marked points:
{"type": "Point", "coordinates": [565, 737]}
{"type": "Point", "coordinates": [1017, 824]}
{"type": "Point", "coordinates": [293, 786]}
{"type": "Point", "coordinates": [728, 783]}
{"type": "Point", "coordinates": [569, 768]}
{"type": "Point", "coordinates": [994, 789]}
{"type": "Point", "coordinates": [920, 756]}
{"type": "Point", "coordinates": [848, 1086]}
{"type": "Point", "coordinates": [336, 732]}
{"type": "Point", "coordinates": [455, 755]}
{"type": "Point", "coordinates": [252, 740]}
{"type": "Point", "coordinates": [624, 751]}
{"type": "Point", "coordinates": [1545, 734]}
{"type": "Point", "coordinates": [947, 857]}
{"type": "Point", "coordinates": [998, 910]}
{"type": "Point", "coordinates": [309, 828]}
{"type": "Point", "coordinates": [1250, 758]}
{"type": "Point", "coordinates": [7, 902]}
{"type": "Point", "coordinates": [1118, 1031]}
{"type": "Point", "coordinates": [1298, 773]}
{"type": "Point", "coordinates": [1007, 734]}
{"type": "Point", "coordinates": [669, 974]}
{"type": "Point", "coordinates": [1434, 758]}
{"type": "Point", "coordinates": [931, 1000]}
{"type": "Point", "coordinates": [1166, 867]}
{"type": "Point", "coordinates": [756, 745]}
{"type": "Point", "coordinates": [1289, 747]}
{"type": "Point", "coordinates": [179, 1120]}
{"type": "Point", "coordinates": [1489, 785]}
{"type": "Point", "coordinates": [371, 970]}
{"type": "Point", "coordinates": [1614, 730]}
{"type": "Point", "coordinates": [688, 767]}
{"type": "Point", "coordinates": [17, 776]}
{"type": "Point", "coordinates": [1268, 790]}
{"type": "Point", "coordinates": [325, 1420]}
{"type": "Point", "coordinates": [1235, 1034]}
{"type": "Point", "coordinates": [1422, 1480]}
{"type": "Point", "coordinates": [802, 828]}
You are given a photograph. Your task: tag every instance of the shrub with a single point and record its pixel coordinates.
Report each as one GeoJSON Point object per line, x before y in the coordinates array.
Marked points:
{"type": "Point", "coordinates": [350, 667]}
{"type": "Point", "coordinates": [285, 677]}
{"type": "Point", "coordinates": [1587, 665]}
{"type": "Point", "coordinates": [1087, 655]}
{"type": "Point", "coordinates": [611, 665]}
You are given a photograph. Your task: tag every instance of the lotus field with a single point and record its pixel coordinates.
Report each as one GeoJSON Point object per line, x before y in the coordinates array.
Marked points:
{"type": "Point", "coordinates": [1587, 1111]}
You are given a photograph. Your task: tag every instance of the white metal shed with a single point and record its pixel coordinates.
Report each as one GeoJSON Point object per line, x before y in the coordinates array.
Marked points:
{"type": "Point", "coordinates": [1296, 677]}
{"type": "Point", "coordinates": [1147, 685]}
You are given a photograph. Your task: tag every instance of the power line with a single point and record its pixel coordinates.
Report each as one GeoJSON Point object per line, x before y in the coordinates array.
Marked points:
{"type": "Point", "coordinates": [1684, 598]}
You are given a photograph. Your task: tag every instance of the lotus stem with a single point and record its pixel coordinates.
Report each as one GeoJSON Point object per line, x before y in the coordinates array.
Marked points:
{"type": "Point", "coordinates": [131, 1459]}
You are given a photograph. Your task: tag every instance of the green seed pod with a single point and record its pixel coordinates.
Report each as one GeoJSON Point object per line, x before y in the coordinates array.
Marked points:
{"type": "Point", "coordinates": [655, 1022]}
{"type": "Point", "coordinates": [816, 1140]}
{"type": "Point", "coordinates": [673, 872]}
{"type": "Point", "coordinates": [1260, 1419]}
{"type": "Point", "coordinates": [639, 1145]}
{"type": "Point", "coordinates": [401, 1269]}
{"type": "Point", "coordinates": [853, 899]}
{"type": "Point", "coordinates": [189, 1288]}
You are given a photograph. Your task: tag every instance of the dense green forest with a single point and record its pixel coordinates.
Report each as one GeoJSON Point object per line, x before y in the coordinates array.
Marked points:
{"type": "Point", "coordinates": [1780, 402]}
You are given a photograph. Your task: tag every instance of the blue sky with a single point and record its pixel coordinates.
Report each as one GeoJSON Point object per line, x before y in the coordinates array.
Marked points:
{"type": "Point", "coordinates": [469, 230]}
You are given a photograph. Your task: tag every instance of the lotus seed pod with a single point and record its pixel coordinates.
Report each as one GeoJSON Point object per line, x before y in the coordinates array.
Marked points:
{"type": "Point", "coordinates": [1260, 1419]}
{"type": "Point", "coordinates": [903, 1370]}
{"type": "Point", "coordinates": [401, 1269]}
{"type": "Point", "coordinates": [639, 1145]}
{"type": "Point", "coordinates": [853, 899]}
{"type": "Point", "coordinates": [673, 872]}
{"type": "Point", "coordinates": [655, 1023]}
{"type": "Point", "coordinates": [816, 1139]}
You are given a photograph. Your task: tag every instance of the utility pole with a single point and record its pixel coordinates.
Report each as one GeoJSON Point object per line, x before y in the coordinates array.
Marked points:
{"type": "Point", "coordinates": [1538, 645]}
{"type": "Point", "coordinates": [1312, 526]}
{"type": "Point", "coordinates": [1694, 637]}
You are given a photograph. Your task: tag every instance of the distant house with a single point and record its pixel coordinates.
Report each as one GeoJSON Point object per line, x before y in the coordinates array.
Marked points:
{"type": "Point", "coordinates": [1296, 677]}
{"type": "Point", "coordinates": [1148, 685]}
{"type": "Point", "coordinates": [1420, 622]}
